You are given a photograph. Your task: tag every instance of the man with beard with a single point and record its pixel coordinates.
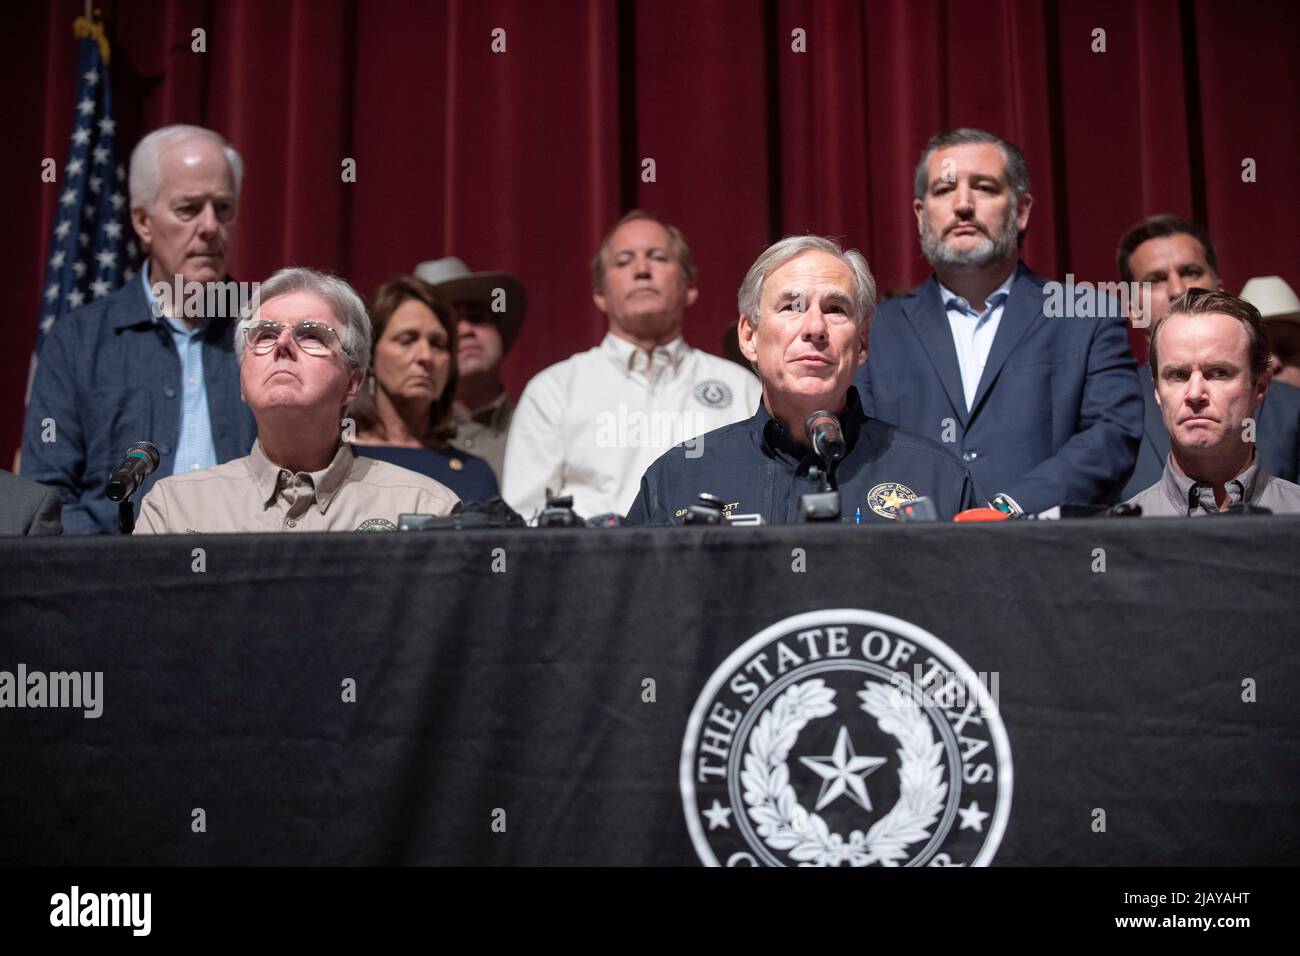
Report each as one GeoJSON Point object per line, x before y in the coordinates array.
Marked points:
{"type": "Point", "coordinates": [1043, 411]}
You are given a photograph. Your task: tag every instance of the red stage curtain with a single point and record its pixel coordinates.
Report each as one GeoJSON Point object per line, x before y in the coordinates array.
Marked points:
{"type": "Point", "coordinates": [519, 160]}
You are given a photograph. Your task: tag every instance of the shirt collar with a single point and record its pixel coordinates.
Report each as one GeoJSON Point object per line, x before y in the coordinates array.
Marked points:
{"type": "Point", "coordinates": [951, 300]}
{"type": "Point", "coordinates": [326, 482]}
{"type": "Point", "coordinates": [126, 319]}
{"type": "Point", "coordinates": [1189, 495]}
{"type": "Point", "coordinates": [631, 358]}
{"type": "Point", "coordinates": [774, 439]}
{"type": "Point", "coordinates": [484, 414]}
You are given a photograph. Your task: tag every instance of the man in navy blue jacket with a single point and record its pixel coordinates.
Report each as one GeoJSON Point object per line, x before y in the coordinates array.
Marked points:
{"type": "Point", "coordinates": [1043, 408]}
{"type": "Point", "coordinates": [1171, 255]}
{"type": "Point", "coordinates": [135, 366]}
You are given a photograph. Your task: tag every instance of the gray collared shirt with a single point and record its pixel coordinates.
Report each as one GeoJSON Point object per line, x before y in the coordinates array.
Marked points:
{"type": "Point", "coordinates": [1178, 496]}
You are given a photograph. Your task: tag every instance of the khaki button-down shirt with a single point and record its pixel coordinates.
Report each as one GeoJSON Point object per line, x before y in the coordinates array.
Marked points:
{"type": "Point", "coordinates": [352, 493]}
{"type": "Point", "coordinates": [483, 431]}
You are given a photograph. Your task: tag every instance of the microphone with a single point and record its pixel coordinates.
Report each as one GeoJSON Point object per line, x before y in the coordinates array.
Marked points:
{"type": "Point", "coordinates": [140, 461]}
{"type": "Point", "coordinates": [825, 436]}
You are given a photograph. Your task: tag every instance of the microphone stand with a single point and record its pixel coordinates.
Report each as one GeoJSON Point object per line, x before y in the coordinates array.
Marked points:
{"type": "Point", "coordinates": [125, 516]}
{"type": "Point", "coordinates": [823, 504]}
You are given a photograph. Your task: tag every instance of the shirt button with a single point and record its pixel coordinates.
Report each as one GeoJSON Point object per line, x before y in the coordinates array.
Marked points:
{"type": "Point", "coordinates": [468, 442]}
{"type": "Point", "coordinates": [169, 392]}
{"type": "Point", "coordinates": [291, 523]}
{"type": "Point", "coordinates": [969, 455]}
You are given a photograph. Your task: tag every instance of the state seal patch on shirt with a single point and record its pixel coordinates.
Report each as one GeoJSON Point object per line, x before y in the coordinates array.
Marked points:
{"type": "Point", "coordinates": [376, 524]}
{"type": "Point", "coordinates": [713, 393]}
{"type": "Point", "coordinates": [887, 497]}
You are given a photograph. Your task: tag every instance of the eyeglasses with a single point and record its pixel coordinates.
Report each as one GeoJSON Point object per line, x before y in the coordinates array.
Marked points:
{"type": "Point", "coordinates": [314, 338]}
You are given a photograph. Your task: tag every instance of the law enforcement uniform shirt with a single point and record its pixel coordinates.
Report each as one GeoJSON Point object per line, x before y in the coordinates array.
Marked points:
{"type": "Point", "coordinates": [483, 431]}
{"type": "Point", "coordinates": [1178, 496]}
{"type": "Point", "coordinates": [756, 468]}
{"type": "Point", "coordinates": [352, 493]}
{"type": "Point", "coordinates": [591, 425]}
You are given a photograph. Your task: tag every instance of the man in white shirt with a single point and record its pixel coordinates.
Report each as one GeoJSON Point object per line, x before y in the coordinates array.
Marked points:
{"type": "Point", "coordinates": [591, 425]}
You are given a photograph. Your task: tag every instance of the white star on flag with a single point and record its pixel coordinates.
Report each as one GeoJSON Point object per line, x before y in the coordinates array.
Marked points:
{"type": "Point", "coordinates": [79, 268]}
{"type": "Point", "coordinates": [972, 818]}
{"type": "Point", "coordinates": [46, 323]}
{"type": "Point", "coordinates": [52, 293]}
{"type": "Point", "coordinates": [95, 182]}
{"type": "Point", "coordinates": [86, 106]}
{"type": "Point", "coordinates": [92, 77]}
{"type": "Point", "coordinates": [717, 816]}
{"type": "Point", "coordinates": [843, 772]}
{"type": "Point", "coordinates": [130, 248]}
{"type": "Point", "coordinates": [69, 197]}
{"type": "Point", "coordinates": [106, 259]}
{"type": "Point", "coordinates": [100, 153]}
{"type": "Point", "coordinates": [61, 230]}
{"type": "Point", "coordinates": [82, 136]}
{"type": "Point", "coordinates": [74, 167]}
{"type": "Point", "coordinates": [75, 298]}
{"type": "Point", "coordinates": [56, 260]}
{"type": "Point", "coordinates": [112, 229]}
{"type": "Point", "coordinates": [128, 274]}
{"type": "Point", "coordinates": [121, 171]}
{"type": "Point", "coordinates": [84, 239]}
{"type": "Point", "coordinates": [106, 126]}
{"type": "Point", "coordinates": [89, 212]}
{"type": "Point", "coordinates": [117, 199]}
{"type": "Point", "coordinates": [100, 288]}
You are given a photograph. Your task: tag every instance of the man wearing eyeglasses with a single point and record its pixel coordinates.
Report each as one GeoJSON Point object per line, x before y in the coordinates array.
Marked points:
{"type": "Point", "coordinates": [302, 356]}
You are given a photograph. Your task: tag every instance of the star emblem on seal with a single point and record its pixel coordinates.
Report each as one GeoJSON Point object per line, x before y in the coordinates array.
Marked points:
{"type": "Point", "coordinates": [887, 497]}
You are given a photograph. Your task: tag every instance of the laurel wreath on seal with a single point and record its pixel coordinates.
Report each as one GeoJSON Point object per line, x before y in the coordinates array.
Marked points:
{"type": "Point", "coordinates": [785, 825]}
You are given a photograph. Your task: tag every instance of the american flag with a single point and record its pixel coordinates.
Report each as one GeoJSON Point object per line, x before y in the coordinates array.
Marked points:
{"type": "Point", "coordinates": [92, 248]}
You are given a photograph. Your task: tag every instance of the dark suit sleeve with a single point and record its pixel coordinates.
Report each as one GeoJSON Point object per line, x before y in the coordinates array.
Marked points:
{"type": "Point", "coordinates": [863, 381]}
{"type": "Point", "coordinates": [53, 413]}
{"type": "Point", "coordinates": [45, 520]}
{"type": "Point", "coordinates": [1093, 465]}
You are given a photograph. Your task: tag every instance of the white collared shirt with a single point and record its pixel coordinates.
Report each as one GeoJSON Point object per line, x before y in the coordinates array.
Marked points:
{"type": "Point", "coordinates": [973, 332]}
{"type": "Point", "coordinates": [591, 425]}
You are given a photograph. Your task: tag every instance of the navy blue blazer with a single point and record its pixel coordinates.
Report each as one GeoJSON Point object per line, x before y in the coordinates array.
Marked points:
{"type": "Point", "coordinates": [108, 375]}
{"type": "Point", "coordinates": [1057, 417]}
{"type": "Point", "coordinates": [1277, 435]}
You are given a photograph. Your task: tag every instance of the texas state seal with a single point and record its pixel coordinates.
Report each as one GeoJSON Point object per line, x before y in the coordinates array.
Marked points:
{"type": "Point", "coordinates": [846, 738]}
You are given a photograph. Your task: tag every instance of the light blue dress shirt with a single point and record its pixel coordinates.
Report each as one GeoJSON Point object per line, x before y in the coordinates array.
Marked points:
{"type": "Point", "coordinates": [973, 333]}
{"type": "Point", "coordinates": [195, 448]}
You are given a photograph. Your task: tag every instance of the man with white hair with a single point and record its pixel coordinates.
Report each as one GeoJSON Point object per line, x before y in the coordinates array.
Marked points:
{"type": "Point", "coordinates": [302, 355]}
{"type": "Point", "coordinates": [805, 314]}
{"type": "Point", "coordinates": [143, 363]}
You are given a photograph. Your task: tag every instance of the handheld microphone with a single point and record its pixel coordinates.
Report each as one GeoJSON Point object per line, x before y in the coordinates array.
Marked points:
{"type": "Point", "coordinates": [825, 436]}
{"type": "Point", "coordinates": [140, 461]}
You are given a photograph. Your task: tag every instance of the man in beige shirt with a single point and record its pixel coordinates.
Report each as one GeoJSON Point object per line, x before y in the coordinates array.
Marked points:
{"type": "Point", "coordinates": [302, 356]}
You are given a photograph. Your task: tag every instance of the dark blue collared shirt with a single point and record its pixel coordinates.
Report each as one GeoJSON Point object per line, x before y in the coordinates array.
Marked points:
{"type": "Point", "coordinates": [107, 376]}
{"type": "Point", "coordinates": [756, 468]}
